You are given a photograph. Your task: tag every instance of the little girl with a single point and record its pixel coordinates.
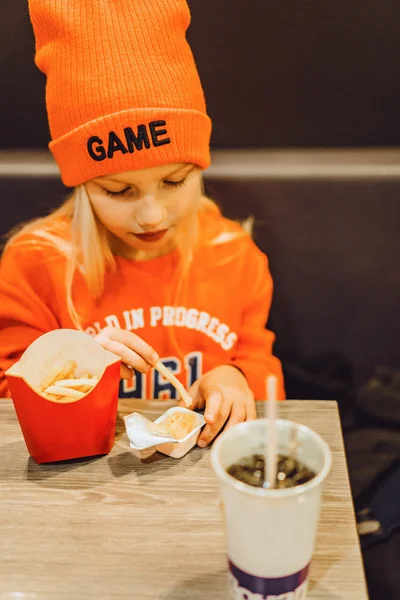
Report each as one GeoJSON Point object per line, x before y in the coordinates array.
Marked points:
{"type": "Point", "coordinates": [137, 256]}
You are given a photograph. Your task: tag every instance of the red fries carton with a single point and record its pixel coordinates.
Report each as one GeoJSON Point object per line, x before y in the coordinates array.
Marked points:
{"type": "Point", "coordinates": [65, 393]}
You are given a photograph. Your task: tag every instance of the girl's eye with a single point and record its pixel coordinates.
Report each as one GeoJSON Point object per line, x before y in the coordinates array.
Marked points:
{"type": "Point", "coordinates": [174, 183]}
{"type": "Point", "coordinates": [114, 194]}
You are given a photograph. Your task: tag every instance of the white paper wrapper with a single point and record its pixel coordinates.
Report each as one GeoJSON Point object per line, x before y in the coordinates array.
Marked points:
{"type": "Point", "coordinates": [140, 435]}
{"type": "Point", "coordinates": [145, 442]}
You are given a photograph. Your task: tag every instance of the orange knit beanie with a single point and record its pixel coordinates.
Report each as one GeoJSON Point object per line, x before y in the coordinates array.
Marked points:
{"type": "Point", "coordinates": [122, 91]}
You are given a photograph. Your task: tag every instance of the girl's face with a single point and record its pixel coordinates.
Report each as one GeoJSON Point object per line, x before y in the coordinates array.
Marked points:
{"type": "Point", "coordinates": [144, 209]}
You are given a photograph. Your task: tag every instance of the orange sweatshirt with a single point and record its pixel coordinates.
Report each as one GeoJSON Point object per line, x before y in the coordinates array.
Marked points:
{"type": "Point", "coordinates": [220, 319]}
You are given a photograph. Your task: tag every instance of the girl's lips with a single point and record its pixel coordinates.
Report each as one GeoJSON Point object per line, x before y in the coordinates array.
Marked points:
{"type": "Point", "coordinates": [152, 236]}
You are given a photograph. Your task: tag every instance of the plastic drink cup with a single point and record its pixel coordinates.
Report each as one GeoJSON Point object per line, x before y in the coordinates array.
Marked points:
{"type": "Point", "coordinates": [270, 532]}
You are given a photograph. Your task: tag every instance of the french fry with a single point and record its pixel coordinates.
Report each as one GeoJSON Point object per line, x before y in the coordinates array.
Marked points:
{"type": "Point", "coordinates": [62, 385]}
{"type": "Point", "coordinates": [63, 391]}
{"type": "Point", "coordinates": [50, 397]}
{"type": "Point", "coordinates": [81, 385]}
{"type": "Point", "coordinates": [169, 376]}
{"type": "Point", "coordinates": [75, 383]}
{"type": "Point", "coordinates": [50, 378]}
{"type": "Point", "coordinates": [58, 373]}
{"type": "Point", "coordinates": [69, 370]}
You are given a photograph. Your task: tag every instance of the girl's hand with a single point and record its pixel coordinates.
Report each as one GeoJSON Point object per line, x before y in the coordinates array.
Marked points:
{"type": "Point", "coordinates": [227, 399]}
{"type": "Point", "coordinates": [134, 352]}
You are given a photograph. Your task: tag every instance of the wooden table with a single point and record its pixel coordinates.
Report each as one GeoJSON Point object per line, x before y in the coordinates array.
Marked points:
{"type": "Point", "coordinates": [113, 528]}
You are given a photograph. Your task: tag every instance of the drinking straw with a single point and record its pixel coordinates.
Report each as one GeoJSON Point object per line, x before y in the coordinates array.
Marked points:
{"type": "Point", "coordinates": [271, 447]}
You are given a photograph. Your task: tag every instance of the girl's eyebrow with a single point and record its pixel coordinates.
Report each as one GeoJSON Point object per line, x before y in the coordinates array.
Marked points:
{"type": "Point", "coordinates": [109, 180]}
{"type": "Point", "coordinates": [120, 182]}
{"type": "Point", "coordinates": [181, 169]}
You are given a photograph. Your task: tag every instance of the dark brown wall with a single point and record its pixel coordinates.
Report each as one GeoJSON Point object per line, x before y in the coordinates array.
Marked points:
{"type": "Point", "coordinates": [275, 72]}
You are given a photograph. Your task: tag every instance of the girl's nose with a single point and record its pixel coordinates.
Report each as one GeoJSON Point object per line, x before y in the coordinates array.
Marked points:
{"type": "Point", "coordinates": [151, 215]}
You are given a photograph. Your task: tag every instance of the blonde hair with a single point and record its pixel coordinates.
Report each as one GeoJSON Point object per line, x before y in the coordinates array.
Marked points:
{"type": "Point", "coordinates": [74, 230]}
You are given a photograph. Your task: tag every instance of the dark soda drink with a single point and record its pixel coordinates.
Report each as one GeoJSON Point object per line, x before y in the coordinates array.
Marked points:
{"type": "Point", "coordinates": [290, 472]}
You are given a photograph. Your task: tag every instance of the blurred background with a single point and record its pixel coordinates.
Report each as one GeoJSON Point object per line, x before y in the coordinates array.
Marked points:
{"type": "Point", "coordinates": [275, 74]}
{"type": "Point", "coordinates": [304, 98]}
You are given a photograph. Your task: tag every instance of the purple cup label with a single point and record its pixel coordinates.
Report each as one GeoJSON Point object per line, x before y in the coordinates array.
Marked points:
{"type": "Point", "coordinates": [250, 587]}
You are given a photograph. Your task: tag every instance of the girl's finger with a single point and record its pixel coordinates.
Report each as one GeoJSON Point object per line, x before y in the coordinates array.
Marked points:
{"type": "Point", "coordinates": [214, 401]}
{"type": "Point", "coordinates": [251, 411]}
{"type": "Point", "coordinates": [131, 358]}
{"type": "Point", "coordinates": [238, 414]}
{"type": "Point", "coordinates": [213, 428]}
{"type": "Point", "coordinates": [127, 372]}
{"type": "Point", "coordinates": [134, 342]}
